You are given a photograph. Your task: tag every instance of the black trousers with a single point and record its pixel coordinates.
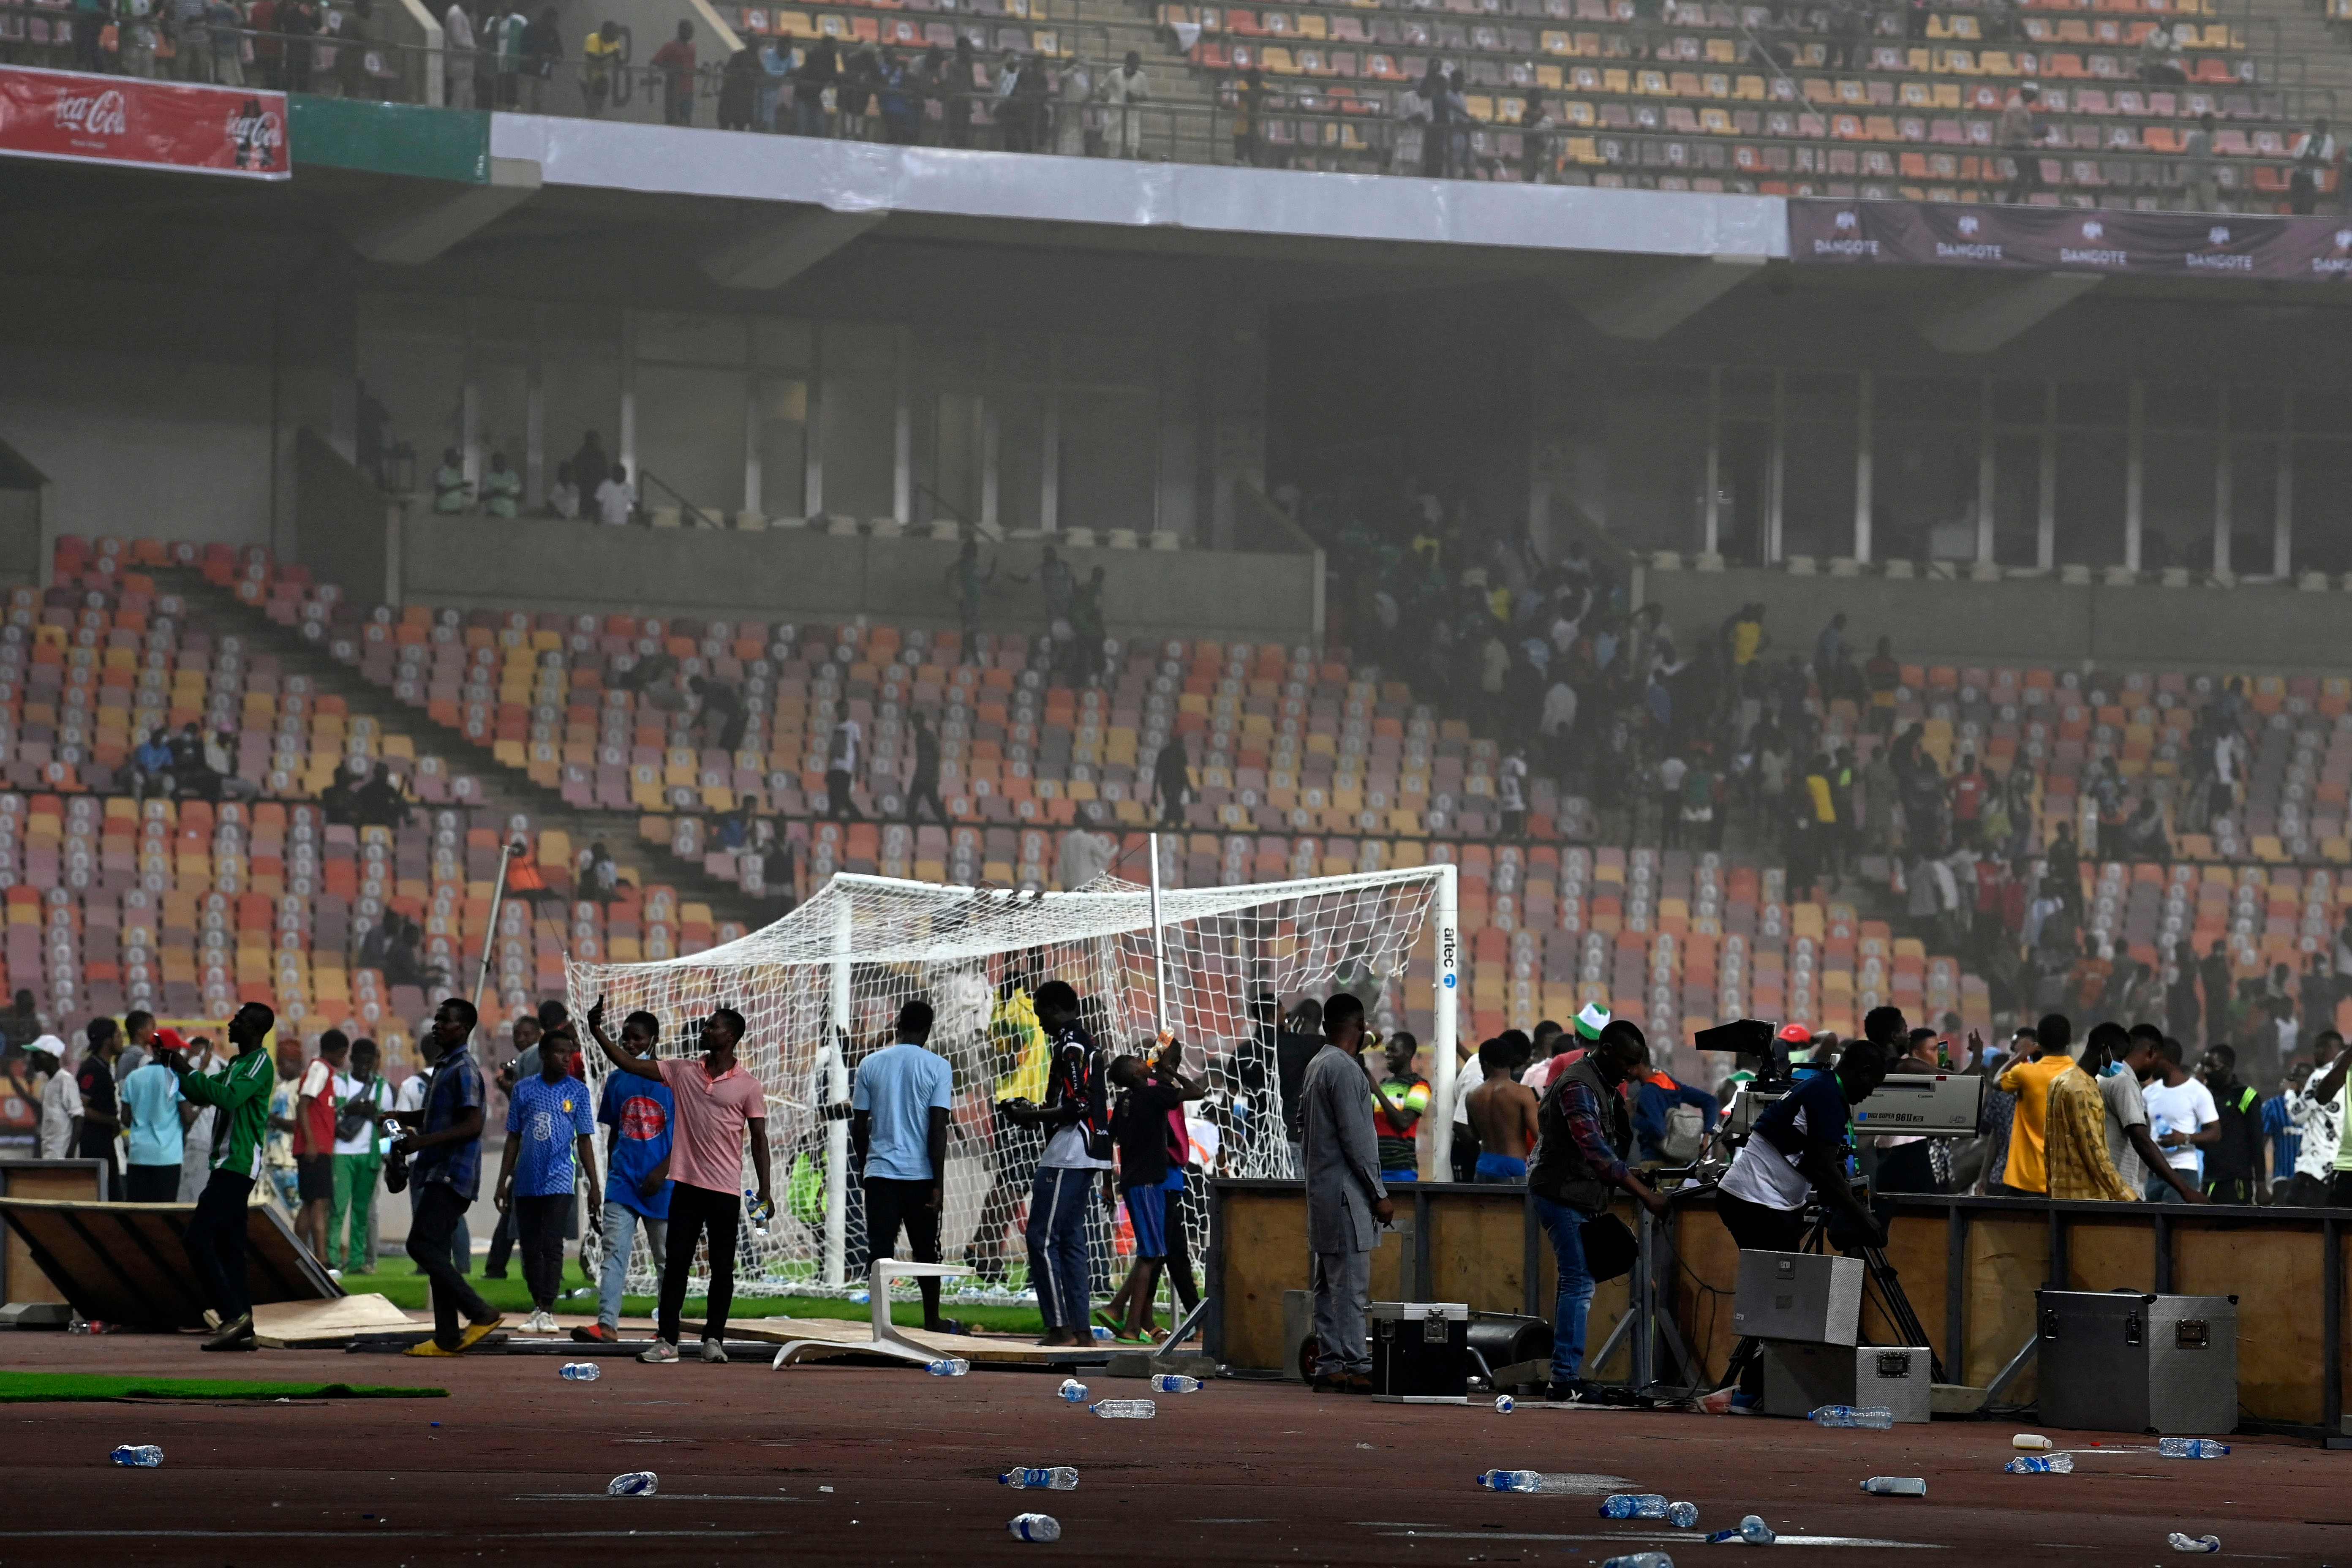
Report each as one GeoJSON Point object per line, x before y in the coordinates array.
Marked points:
{"type": "Point", "coordinates": [502, 1241]}
{"type": "Point", "coordinates": [216, 1242]}
{"type": "Point", "coordinates": [892, 1202]}
{"type": "Point", "coordinates": [430, 1232]}
{"type": "Point", "coordinates": [1180, 1251]}
{"type": "Point", "coordinates": [151, 1184]}
{"type": "Point", "coordinates": [921, 788]}
{"type": "Point", "coordinates": [539, 1224]}
{"type": "Point", "coordinates": [838, 803]}
{"type": "Point", "coordinates": [692, 1211]}
{"type": "Point", "coordinates": [1756, 1229]}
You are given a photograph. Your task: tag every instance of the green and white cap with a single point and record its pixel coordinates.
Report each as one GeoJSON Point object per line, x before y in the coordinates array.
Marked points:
{"type": "Point", "coordinates": [1592, 1021]}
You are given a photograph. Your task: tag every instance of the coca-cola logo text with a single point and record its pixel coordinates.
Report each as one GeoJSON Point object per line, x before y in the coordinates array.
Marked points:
{"type": "Point", "coordinates": [95, 114]}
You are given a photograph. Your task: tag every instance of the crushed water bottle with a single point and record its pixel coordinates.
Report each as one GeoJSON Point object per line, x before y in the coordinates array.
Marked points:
{"type": "Point", "coordinates": [636, 1483]}
{"type": "Point", "coordinates": [2190, 1448]}
{"type": "Point", "coordinates": [1072, 1392]}
{"type": "Point", "coordinates": [1896, 1485]}
{"type": "Point", "coordinates": [1175, 1382]}
{"type": "Point", "coordinates": [1504, 1404]}
{"type": "Point", "coordinates": [1041, 1478]}
{"type": "Point", "coordinates": [2040, 1464]}
{"type": "Point", "coordinates": [138, 1456]}
{"type": "Point", "coordinates": [1125, 1409]}
{"type": "Point", "coordinates": [948, 1366]}
{"type": "Point", "coordinates": [1633, 1505]}
{"type": "Point", "coordinates": [1532, 1481]}
{"type": "Point", "coordinates": [1682, 1515]}
{"type": "Point", "coordinates": [1752, 1529]}
{"type": "Point", "coordinates": [579, 1372]}
{"type": "Point", "coordinates": [1641, 1560]}
{"type": "Point", "coordinates": [1102, 1336]}
{"type": "Point", "coordinates": [1876, 1418]}
{"type": "Point", "coordinates": [2180, 1543]}
{"type": "Point", "coordinates": [1036, 1527]}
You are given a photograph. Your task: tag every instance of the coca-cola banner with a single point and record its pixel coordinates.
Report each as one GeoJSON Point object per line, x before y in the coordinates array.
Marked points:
{"type": "Point", "coordinates": [157, 124]}
{"type": "Point", "coordinates": [2068, 239]}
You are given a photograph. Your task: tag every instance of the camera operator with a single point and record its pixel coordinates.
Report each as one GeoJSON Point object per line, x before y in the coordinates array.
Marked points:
{"type": "Point", "coordinates": [1797, 1149]}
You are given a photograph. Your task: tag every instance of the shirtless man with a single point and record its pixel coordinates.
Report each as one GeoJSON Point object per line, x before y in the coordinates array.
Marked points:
{"type": "Point", "coordinates": [1502, 1110]}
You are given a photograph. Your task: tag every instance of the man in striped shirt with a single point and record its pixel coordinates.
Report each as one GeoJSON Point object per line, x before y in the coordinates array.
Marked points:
{"type": "Point", "coordinates": [215, 1234]}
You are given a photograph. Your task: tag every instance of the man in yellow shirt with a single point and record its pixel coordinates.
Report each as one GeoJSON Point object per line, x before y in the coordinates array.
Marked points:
{"type": "Point", "coordinates": [2028, 1174]}
{"type": "Point", "coordinates": [2075, 1144]}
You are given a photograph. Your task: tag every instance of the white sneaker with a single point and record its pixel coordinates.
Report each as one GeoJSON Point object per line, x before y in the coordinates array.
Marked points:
{"type": "Point", "coordinates": [712, 1350]}
{"type": "Point", "coordinates": [659, 1351]}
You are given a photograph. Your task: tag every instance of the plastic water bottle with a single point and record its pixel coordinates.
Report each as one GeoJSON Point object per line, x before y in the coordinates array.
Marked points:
{"type": "Point", "coordinates": [636, 1483]}
{"type": "Point", "coordinates": [2040, 1464]}
{"type": "Point", "coordinates": [2034, 1441]}
{"type": "Point", "coordinates": [1102, 1336]}
{"type": "Point", "coordinates": [1633, 1505]}
{"type": "Point", "coordinates": [758, 1210]}
{"type": "Point", "coordinates": [1641, 1560]}
{"type": "Point", "coordinates": [1533, 1481]}
{"type": "Point", "coordinates": [581, 1372]}
{"type": "Point", "coordinates": [948, 1366]}
{"type": "Point", "coordinates": [1682, 1515]}
{"type": "Point", "coordinates": [1125, 1409]}
{"type": "Point", "coordinates": [1876, 1418]}
{"type": "Point", "coordinates": [1504, 1404]}
{"type": "Point", "coordinates": [1175, 1382]}
{"type": "Point", "coordinates": [2190, 1448]}
{"type": "Point", "coordinates": [1752, 1529]}
{"type": "Point", "coordinates": [1036, 1527]}
{"type": "Point", "coordinates": [2180, 1543]}
{"type": "Point", "coordinates": [1059, 1478]}
{"type": "Point", "coordinates": [1072, 1392]}
{"type": "Point", "coordinates": [138, 1456]}
{"type": "Point", "coordinates": [1896, 1485]}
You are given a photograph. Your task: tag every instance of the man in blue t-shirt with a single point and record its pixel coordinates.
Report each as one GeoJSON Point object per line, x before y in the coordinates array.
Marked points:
{"type": "Point", "coordinates": [899, 1130]}
{"type": "Point", "coordinates": [549, 1127]}
{"type": "Point", "coordinates": [156, 1114]}
{"type": "Point", "coordinates": [642, 1113]}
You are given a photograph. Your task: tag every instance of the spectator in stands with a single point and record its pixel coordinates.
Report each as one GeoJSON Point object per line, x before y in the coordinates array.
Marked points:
{"type": "Point", "coordinates": [2201, 190]}
{"type": "Point", "coordinates": [1171, 781]}
{"type": "Point", "coordinates": [1433, 112]}
{"type": "Point", "coordinates": [901, 99]}
{"type": "Point", "coordinates": [2021, 132]}
{"type": "Point", "coordinates": [603, 882]}
{"type": "Point", "coordinates": [451, 489]}
{"type": "Point", "coordinates": [923, 782]}
{"type": "Point", "coordinates": [599, 57]}
{"type": "Point", "coordinates": [501, 489]}
{"type": "Point", "coordinates": [721, 722]}
{"type": "Point", "coordinates": [1125, 89]}
{"type": "Point", "coordinates": [1249, 100]}
{"type": "Point", "coordinates": [563, 496]}
{"type": "Point", "coordinates": [2159, 55]}
{"type": "Point", "coordinates": [457, 45]}
{"type": "Point", "coordinates": [21, 1024]}
{"type": "Point", "coordinates": [842, 753]}
{"type": "Point", "coordinates": [617, 503]}
{"type": "Point", "coordinates": [854, 99]}
{"type": "Point", "coordinates": [2315, 165]}
{"type": "Point", "coordinates": [542, 51]}
{"type": "Point", "coordinates": [1536, 158]}
{"type": "Point", "coordinates": [381, 803]}
{"type": "Point", "coordinates": [820, 68]}
{"type": "Point", "coordinates": [675, 61]}
{"type": "Point", "coordinates": [151, 767]}
{"type": "Point", "coordinates": [956, 80]}
{"type": "Point", "coordinates": [2142, 836]}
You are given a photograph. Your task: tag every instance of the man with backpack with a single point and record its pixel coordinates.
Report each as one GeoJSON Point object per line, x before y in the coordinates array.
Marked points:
{"type": "Point", "coordinates": [1670, 1117]}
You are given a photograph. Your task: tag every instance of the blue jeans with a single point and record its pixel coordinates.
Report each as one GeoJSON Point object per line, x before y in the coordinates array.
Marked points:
{"type": "Point", "coordinates": [1059, 1264]}
{"type": "Point", "coordinates": [1565, 1225]}
{"type": "Point", "coordinates": [621, 1223]}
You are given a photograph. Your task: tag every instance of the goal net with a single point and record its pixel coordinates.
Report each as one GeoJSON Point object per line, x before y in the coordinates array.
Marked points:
{"type": "Point", "coordinates": [822, 988]}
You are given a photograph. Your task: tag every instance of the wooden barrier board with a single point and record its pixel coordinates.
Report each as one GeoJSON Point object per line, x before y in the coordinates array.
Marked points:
{"type": "Point", "coordinates": [126, 1263]}
{"type": "Point", "coordinates": [849, 1333]}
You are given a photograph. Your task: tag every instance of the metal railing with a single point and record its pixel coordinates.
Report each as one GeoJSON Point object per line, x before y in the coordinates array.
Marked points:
{"type": "Point", "coordinates": [1306, 123]}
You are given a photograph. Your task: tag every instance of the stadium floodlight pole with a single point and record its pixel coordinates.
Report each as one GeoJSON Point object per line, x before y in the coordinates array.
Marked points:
{"type": "Point", "coordinates": [1444, 996]}
{"type": "Point", "coordinates": [836, 1092]}
{"type": "Point", "coordinates": [490, 936]}
{"type": "Point", "coordinates": [1159, 954]}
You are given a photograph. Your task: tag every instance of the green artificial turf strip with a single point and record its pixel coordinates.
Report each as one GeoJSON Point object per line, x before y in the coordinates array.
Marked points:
{"type": "Point", "coordinates": [26, 1387]}
{"type": "Point", "coordinates": [396, 1280]}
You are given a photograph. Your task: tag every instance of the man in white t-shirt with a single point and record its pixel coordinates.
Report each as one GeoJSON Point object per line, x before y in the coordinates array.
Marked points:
{"type": "Point", "coordinates": [2181, 1117]}
{"type": "Point", "coordinates": [615, 502]}
{"type": "Point", "coordinates": [2123, 1062]}
{"type": "Point", "coordinates": [841, 757]}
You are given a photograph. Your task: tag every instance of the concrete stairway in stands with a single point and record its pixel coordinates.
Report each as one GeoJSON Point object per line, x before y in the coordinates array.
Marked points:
{"type": "Point", "coordinates": [2312, 52]}
{"type": "Point", "coordinates": [503, 788]}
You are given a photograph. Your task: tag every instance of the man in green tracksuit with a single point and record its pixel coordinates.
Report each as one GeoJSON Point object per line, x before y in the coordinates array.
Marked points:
{"type": "Point", "coordinates": [215, 1234]}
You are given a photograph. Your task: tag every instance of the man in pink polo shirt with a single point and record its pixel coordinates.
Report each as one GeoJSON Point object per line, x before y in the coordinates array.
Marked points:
{"type": "Point", "coordinates": [716, 1100]}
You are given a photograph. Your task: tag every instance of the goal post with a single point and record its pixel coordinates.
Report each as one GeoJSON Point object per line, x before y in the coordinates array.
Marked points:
{"type": "Point", "coordinates": [821, 987]}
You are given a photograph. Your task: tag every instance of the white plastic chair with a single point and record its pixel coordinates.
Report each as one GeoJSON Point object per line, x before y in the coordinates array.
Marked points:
{"type": "Point", "coordinates": [887, 1341]}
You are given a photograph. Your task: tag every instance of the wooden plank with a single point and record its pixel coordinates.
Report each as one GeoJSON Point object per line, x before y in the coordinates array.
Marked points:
{"type": "Point", "coordinates": [127, 1262]}
{"type": "Point", "coordinates": [1706, 1284]}
{"type": "Point", "coordinates": [2273, 1270]}
{"type": "Point", "coordinates": [2110, 1255]}
{"type": "Point", "coordinates": [1476, 1253]}
{"type": "Point", "coordinates": [1915, 1250]}
{"type": "Point", "coordinates": [1265, 1254]}
{"type": "Point", "coordinates": [849, 1333]}
{"type": "Point", "coordinates": [2009, 1260]}
{"type": "Point", "coordinates": [81, 1181]}
{"type": "Point", "coordinates": [285, 1323]}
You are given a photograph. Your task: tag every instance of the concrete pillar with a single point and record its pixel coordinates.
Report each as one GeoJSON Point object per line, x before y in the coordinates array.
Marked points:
{"type": "Point", "coordinates": [1863, 400]}
{"type": "Point", "coordinates": [2134, 452]}
{"type": "Point", "coordinates": [1988, 443]}
{"type": "Point", "coordinates": [2283, 519]}
{"type": "Point", "coordinates": [2045, 539]}
{"type": "Point", "coordinates": [1711, 523]}
{"type": "Point", "coordinates": [2224, 484]}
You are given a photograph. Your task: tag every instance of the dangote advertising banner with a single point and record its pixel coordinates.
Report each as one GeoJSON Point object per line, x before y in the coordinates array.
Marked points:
{"type": "Point", "coordinates": [2068, 239]}
{"type": "Point", "coordinates": [86, 119]}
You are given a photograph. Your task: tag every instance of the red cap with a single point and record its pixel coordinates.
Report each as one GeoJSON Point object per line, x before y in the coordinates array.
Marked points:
{"type": "Point", "coordinates": [170, 1040]}
{"type": "Point", "coordinates": [1794, 1035]}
